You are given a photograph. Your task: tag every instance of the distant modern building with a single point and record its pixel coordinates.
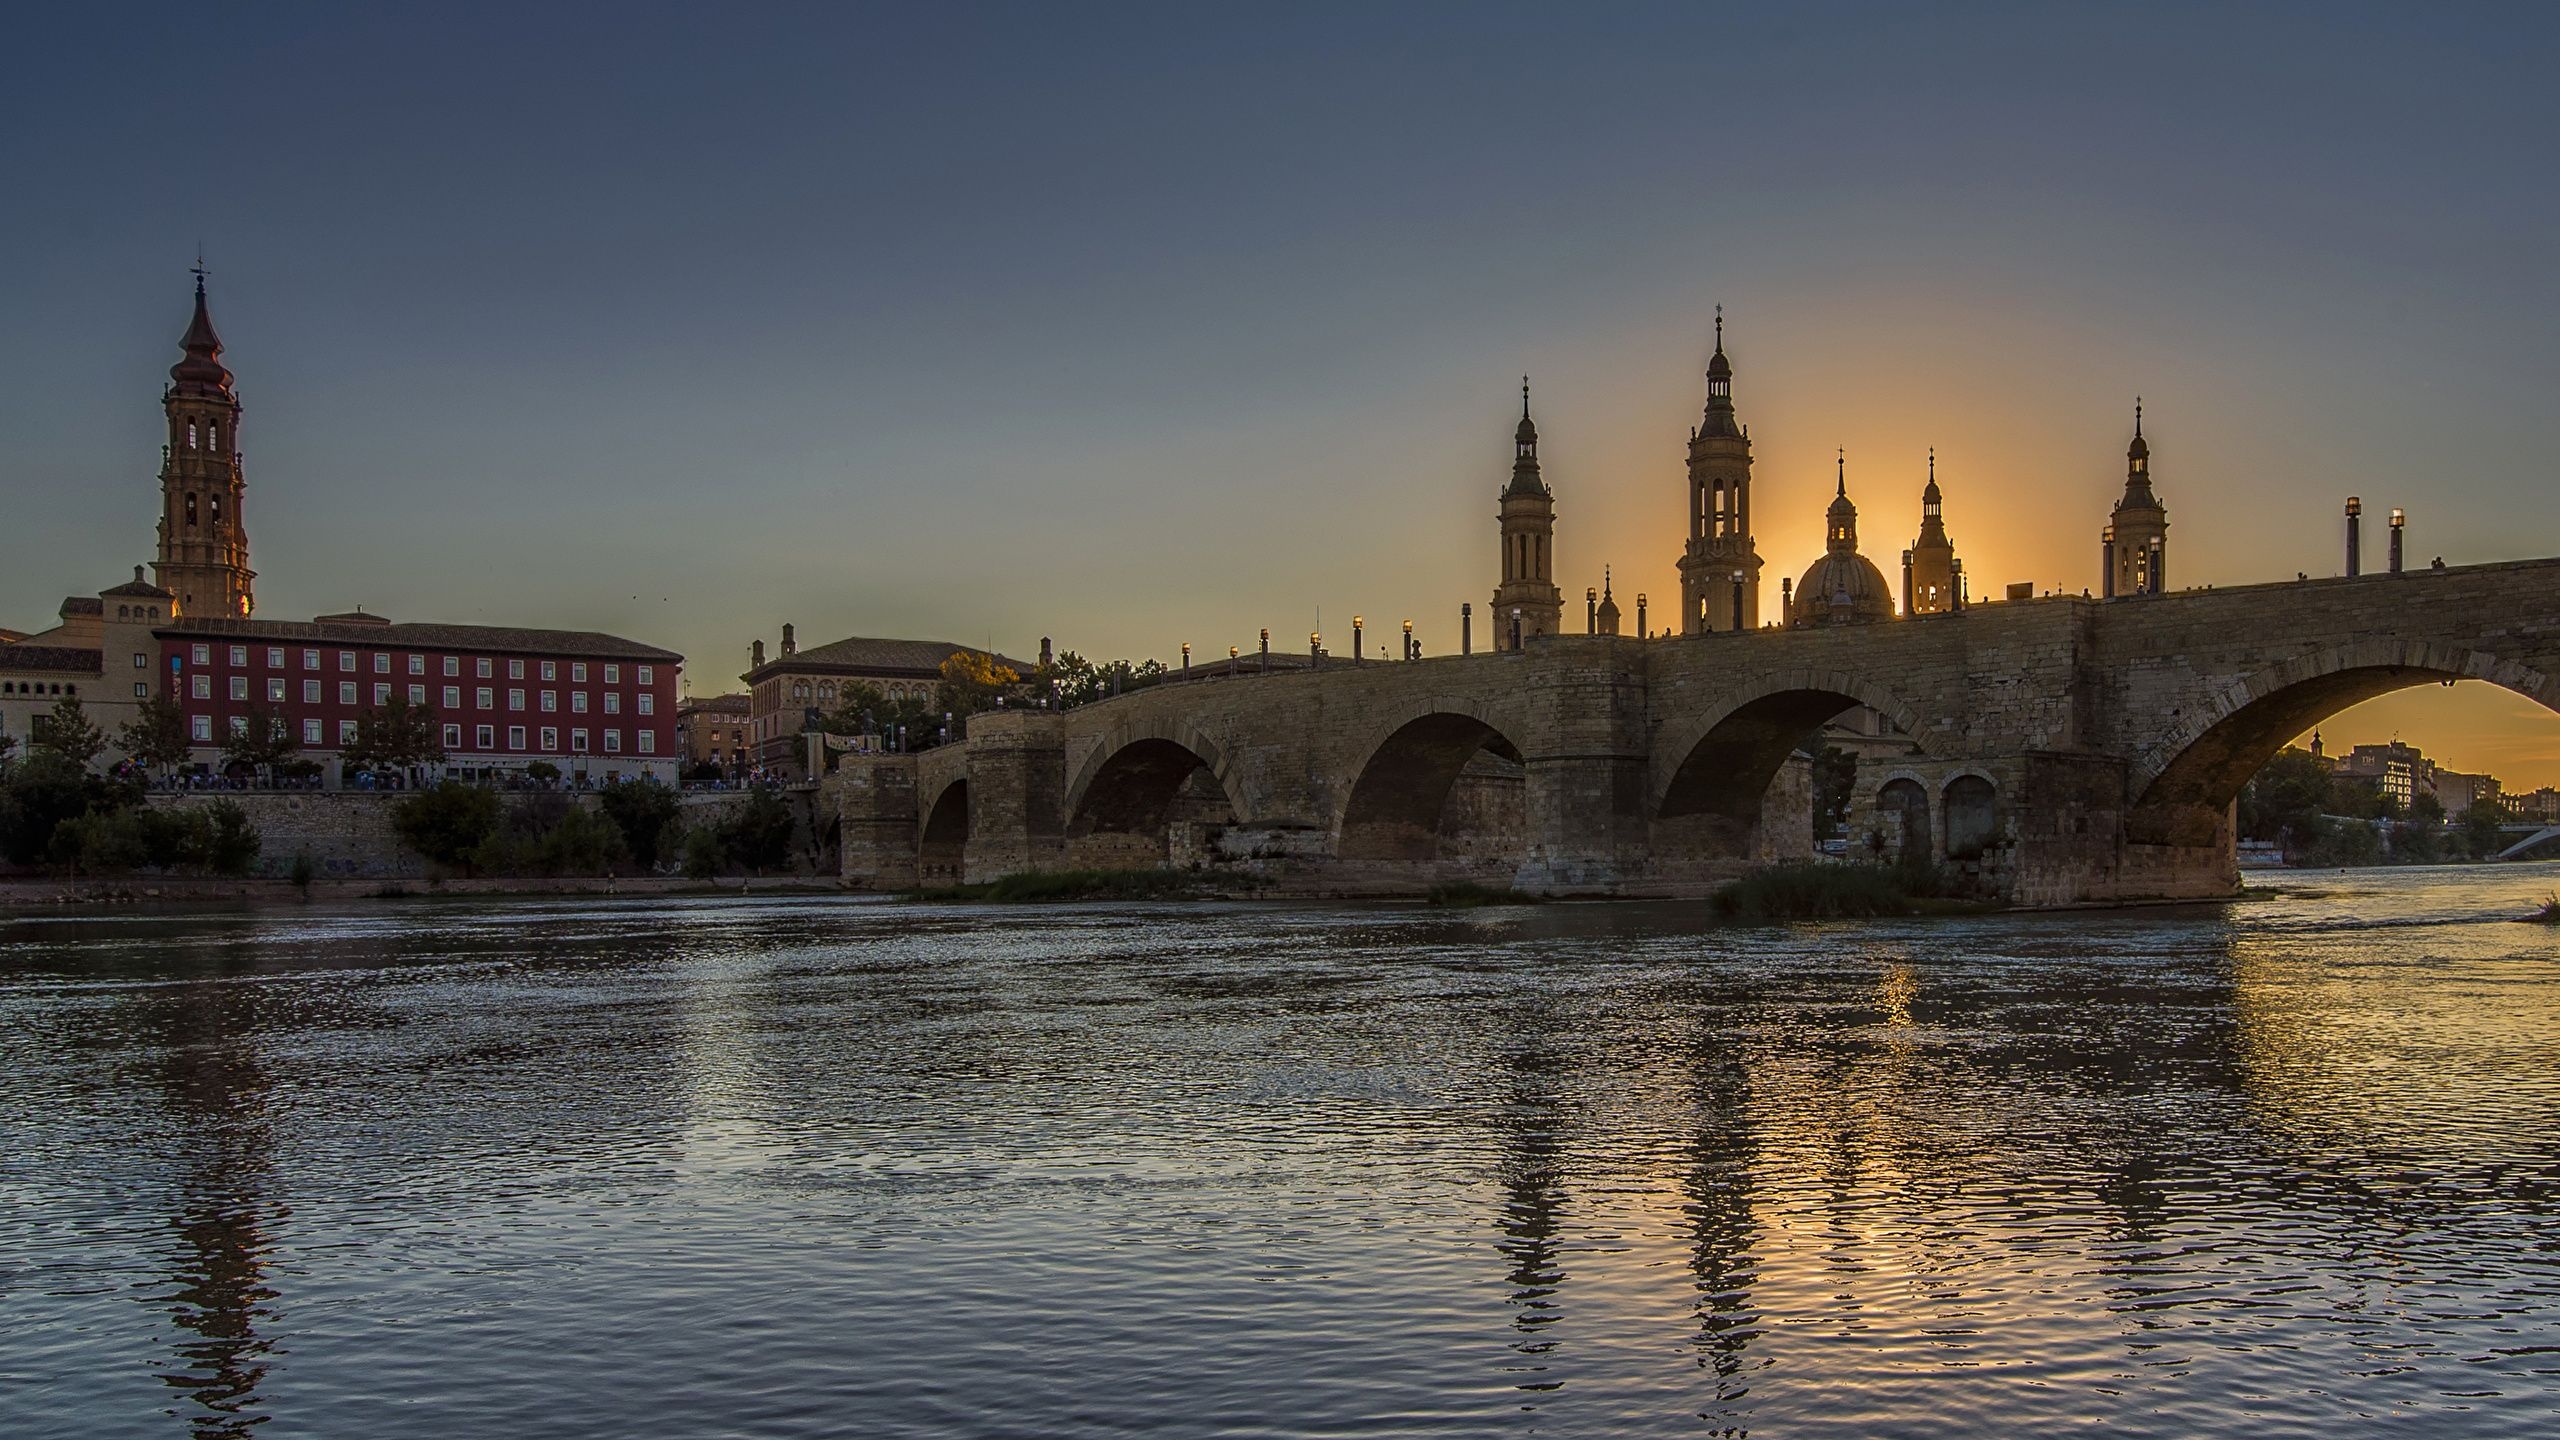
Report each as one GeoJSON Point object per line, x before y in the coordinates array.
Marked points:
{"type": "Point", "coordinates": [787, 693]}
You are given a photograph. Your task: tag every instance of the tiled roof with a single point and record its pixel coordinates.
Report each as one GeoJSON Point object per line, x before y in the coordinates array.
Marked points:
{"type": "Point", "coordinates": [82, 605]}
{"type": "Point", "coordinates": [51, 659]}
{"type": "Point", "coordinates": [428, 635]}
{"type": "Point", "coordinates": [861, 655]}
{"type": "Point", "coordinates": [143, 588]}
{"type": "Point", "coordinates": [719, 704]}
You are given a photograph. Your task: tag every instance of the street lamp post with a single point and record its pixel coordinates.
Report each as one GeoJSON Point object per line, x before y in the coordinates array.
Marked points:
{"type": "Point", "coordinates": [1355, 640]}
{"type": "Point", "coordinates": [1408, 640]}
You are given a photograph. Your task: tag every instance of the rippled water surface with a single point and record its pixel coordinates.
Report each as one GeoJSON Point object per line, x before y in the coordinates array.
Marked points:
{"type": "Point", "coordinates": [2285, 1167]}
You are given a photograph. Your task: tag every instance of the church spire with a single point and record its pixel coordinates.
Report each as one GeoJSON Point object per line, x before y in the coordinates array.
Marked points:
{"type": "Point", "coordinates": [203, 363]}
{"type": "Point", "coordinates": [1525, 477]}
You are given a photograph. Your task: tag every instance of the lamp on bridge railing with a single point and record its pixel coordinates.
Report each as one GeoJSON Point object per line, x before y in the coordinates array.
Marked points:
{"type": "Point", "coordinates": [1737, 599]}
{"type": "Point", "coordinates": [1408, 640]}
{"type": "Point", "coordinates": [2355, 536]}
{"type": "Point", "coordinates": [1266, 648]}
{"type": "Point", "coordinates": [2397, 521]}
{"type": "Point", "coordinates": [1591, 610]}
{"type": "Point", "coordinates": [1355, 639]}
{"type": "Point", "coordinates": [1641, 632]}
{"type": "Point", "coordinates": [1186, 659]}
{"type": "Point", "coordinates": [1315, 648]}
{"type": "Point", "coordinates": [1467, 627]}
{"type": "Point", "coordinates": [1515, 627]}
{"type": "Point", "coordinates": [1231, 659]}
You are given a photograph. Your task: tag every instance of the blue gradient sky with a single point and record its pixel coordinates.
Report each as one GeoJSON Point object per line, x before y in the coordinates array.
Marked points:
{"type": "Point", "coordinates": [1136, 326]}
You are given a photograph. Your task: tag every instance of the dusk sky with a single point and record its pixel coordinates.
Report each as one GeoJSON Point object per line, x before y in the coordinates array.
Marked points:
{"type": "Point", "coordinates": [1140, 326]}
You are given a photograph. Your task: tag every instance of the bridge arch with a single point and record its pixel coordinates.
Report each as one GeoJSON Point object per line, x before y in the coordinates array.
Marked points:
{"type": "Point", "coordinates": [1139, 788]}
{"type": "Point", "coordinates": [2182, 784]}
{"type": "Point", "coordinates": [1441, 790]}
{"type": "Point", "coordinates": [942, 847]}
{"type": "Point", "coordinates": [1712, 770]}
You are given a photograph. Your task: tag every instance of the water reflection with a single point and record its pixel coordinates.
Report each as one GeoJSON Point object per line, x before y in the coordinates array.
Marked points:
{"type": "Point", "coordinates": [2284, 1167]}
{"type": "Point", "coordinates": [220, 1296]}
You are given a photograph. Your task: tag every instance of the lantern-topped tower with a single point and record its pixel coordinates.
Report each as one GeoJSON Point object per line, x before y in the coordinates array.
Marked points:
{"type": "Point", "coordinates": [1528, 590]}
{"type": "Point", "coordinates": [204, 545]}
{"type": "Point", "coordinates": [2135, 549]}
{"type": "Point", "coordinates": [1720, 545]}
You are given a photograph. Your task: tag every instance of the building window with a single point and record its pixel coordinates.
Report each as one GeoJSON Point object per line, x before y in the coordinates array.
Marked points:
{"type": "Point", "coordinates": [800, 691]}
{"type": "Point", "coordinates": [648, 742]}
{"type": "Point", "coordinates": [483, 698]}
{"type": "Point", "coordinates": [275, 659]}
{"type": "Point", "coordinates": [346, 732]}
{"type": "Point", "coordinates": [578, 671]}
{"type": "Point", "coordinates": [613, 702]}
{"type": "Point", "coordinates": [381, 695]}
{"type": "Point", "coordinates": [346, 692]}
{"type": "Point", "coordinates": [346, 661]}
{"type": "Point", "coordinates": [453, 697]}
{"type": "Point", "coordinates": [239, 654]}
{"type": "Point", "coordinates": [453, 737]}
{"type": "Point", "coordinates": [484, 736]}
{"type": "Point", "coordinates": [515, 669]}
{"type": "Point", "coordinates": [453, 666]}
{"type": "Point", "coordinates": [515, 737]}
{"type": "Point", "coordinates": [310, 659]}
{"type": "Point", "coordinates": [647, 702]}
{"type": "Point", "coordinates": [381, 662]}
{"type": "Point", "coordinates": [550, 701]}
{"type": "Point", "coordinates": [140, 690]}
{"type": "Point", "coordinates": [275, 689]}
{"type": "Point", "coordinates": [204, 654]}
{"type": "Point", "coordinates": [515, 699]}
{"type": "Point", "coordinates": [613, 742]}
{"type": "Point", "coordinates": [310, 692]}
{"type": "Point", "coordinates": [239, 687]}
{"type": "Point", "coordinates": [203, 727]}
{"type": "Point", "coordinates": [483, 667]}
{"type": "Point", "coordinates": [550, 741]}
{"type": "Point", "coordinates": [577, 702]}
{"type": "Point", "coordinates": [648, 676]}
{"type": "Point", "coordinates": [239, 725]}
{"type": "Point", "coordinates": [417, 694]}
{"type": "Point", "coordinates": [201, 686]}
{"type": "Point", "coordinates": [578, 741]}
{"type": "Point", "coordinates": [417, 664]}
{"type": "Point", "coordinates": [550, 669]}
{"type": "Point", "coordinates": [311, 732]}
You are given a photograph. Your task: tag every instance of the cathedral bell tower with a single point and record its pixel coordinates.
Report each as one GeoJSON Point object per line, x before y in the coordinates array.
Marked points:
{"type": "Point", "coordinates": [2134, 552]}
{"type": "Point", "coordinates": [204, 549]}
{"type": "Point", "coordinates": [1720, 550]}
{"type": "Point", "coordinates": [1528, 592]}
{"type": "Point", "coordinates": [1929, 566]}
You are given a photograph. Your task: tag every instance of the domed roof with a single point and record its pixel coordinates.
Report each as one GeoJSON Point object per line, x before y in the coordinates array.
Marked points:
{"type": "Point", "coordinates": [1842, 576]}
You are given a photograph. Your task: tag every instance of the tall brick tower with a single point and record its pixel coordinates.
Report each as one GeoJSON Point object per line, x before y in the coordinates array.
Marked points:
{"type": "Point", "coordinates": [204, 549]}
{"type": "Point", "coordinates": [1528, 590]}
{"type": "Point", "coordinates": [1720, 546]}
{"type": "Point", "coordinates": [1929, 566]}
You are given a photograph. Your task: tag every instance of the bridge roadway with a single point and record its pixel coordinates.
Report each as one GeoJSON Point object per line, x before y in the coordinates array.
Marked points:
{"type": "Point", "coordinates": [2070, 750]}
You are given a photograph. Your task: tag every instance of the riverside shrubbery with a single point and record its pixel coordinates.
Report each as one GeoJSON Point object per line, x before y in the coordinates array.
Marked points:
{"type": "Point", "coordinates": [1820, 890]}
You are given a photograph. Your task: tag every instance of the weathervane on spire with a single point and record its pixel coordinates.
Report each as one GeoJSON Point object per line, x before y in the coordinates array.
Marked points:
{"type": "Point", "coordinates": [1524, 397]}
{"type": "Point", "coordinates": [2137, 417]}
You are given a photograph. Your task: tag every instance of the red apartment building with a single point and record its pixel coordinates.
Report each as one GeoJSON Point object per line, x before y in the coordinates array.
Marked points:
{"type": "Point", "coordinates": [591, 704]}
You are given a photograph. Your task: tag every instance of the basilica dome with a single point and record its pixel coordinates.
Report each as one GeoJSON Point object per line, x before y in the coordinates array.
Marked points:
{"type": "Point", "coordinates": [1843, 587]}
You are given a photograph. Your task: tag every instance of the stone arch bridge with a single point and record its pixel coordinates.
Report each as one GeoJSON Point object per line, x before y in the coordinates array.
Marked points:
{"type": "Point", "coordinates": [2069, 750]}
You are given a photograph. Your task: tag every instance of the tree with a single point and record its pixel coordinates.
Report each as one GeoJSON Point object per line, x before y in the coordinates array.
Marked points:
{"type": "Point", "coordinates": [262, 740]}
{"type": "Point", "coordinates": [156, 737]}
{"type": "Point", "coordinates": [395, 736]}
{"type": "Point", "coordinates": [2427, 809]}
{"type": "Point", "coordinates": [644, 811]}
{"type": "Point", "coordinates": [2481, 837]}
{"type": "Point", "coordinates": [758, 834]}
{"type": "Point", "coordinates": [2285, 800]}
{"type": "Point", "coordinates": [972, 681]}
{"type": "Point", "coordinates": [702, 856]}
{"type": "Point", "coordinates": [231, 843]}
{"type": "Point", "coordinates": [863, 708]}
{"type": "Point", "coordinates": [446, 822]}
{"type": "Point", "coordinates": [65, 730]}
{"type": "Point", "coordinates": [8, 742]}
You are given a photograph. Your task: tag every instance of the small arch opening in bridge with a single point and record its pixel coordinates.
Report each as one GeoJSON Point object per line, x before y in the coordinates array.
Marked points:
{"type": "Point", "coordinates": [942, 854]}
{"type": "Point", "coordinates": [1151, 803]}
{"type": "Point", "coordinates": [1442, 798]}
{"type": "Point", "coordinates": [1973, 817]}
{"type": "Point", "coordinates": [1734, 799]}
{"type": "Point", "coordinates": [1901, 836]}
{"type": "Point", "coordinates": [2192, 801]}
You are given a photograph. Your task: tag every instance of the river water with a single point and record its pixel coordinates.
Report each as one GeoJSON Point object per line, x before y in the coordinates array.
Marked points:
{"type": "Point", "coordinates": [2288, 1166]}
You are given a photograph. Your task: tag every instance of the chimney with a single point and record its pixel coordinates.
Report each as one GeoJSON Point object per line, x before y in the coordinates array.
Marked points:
{"type": "Point", "coordinates": [137, 574]}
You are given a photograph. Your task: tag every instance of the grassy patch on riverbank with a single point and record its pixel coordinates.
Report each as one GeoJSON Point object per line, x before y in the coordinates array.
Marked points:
{"type": "Point", "coordinates": [1815, 890]}
{"type": "Point", "coordinates": [1050, 887]}
{"type": "Point", "coordinates": [1468, 895]}
{"type": "Point", "coordinates": [2549, 914]}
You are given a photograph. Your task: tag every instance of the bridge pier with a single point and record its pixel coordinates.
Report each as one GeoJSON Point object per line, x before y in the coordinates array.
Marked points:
{"type": "Point", "coordinates": [1585, 770]}
{"type": "Point", "coordinates": [876, 808]}
{"type": "Point", "coordinates": [1017, 763]}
